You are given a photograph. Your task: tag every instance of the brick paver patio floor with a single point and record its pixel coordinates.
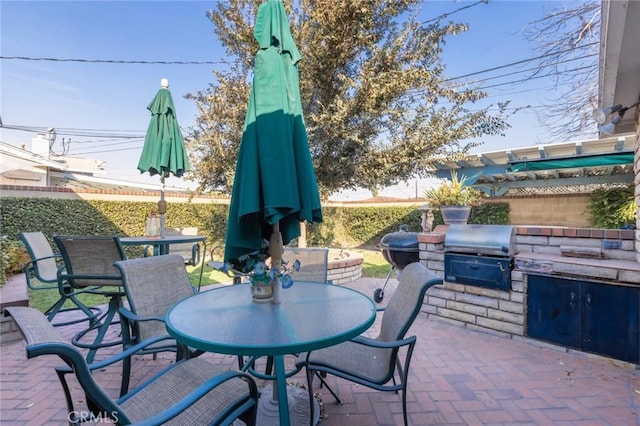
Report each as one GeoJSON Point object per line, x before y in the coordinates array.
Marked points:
{"type": "Point", "coordinates": [458, 376]}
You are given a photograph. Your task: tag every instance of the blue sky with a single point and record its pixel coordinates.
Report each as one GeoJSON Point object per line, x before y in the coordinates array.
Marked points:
{"type": "Point", "coordinates": [112, 97]}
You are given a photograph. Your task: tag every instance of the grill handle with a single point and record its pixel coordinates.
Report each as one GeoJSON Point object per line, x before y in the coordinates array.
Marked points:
{"type": "Point", "coordinates": [477, 246]}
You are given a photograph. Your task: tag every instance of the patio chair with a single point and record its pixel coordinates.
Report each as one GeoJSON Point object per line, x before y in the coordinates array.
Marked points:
{"type": "Point", "coordinates": [41, 273]}
{"type": "Point", "coordinates": [88, 268]}
{"type": "Point", "coordinates": [152, 285]}
{"type": "Point", "coordinates": [374, 362]}
{"type": "Point", "coordinates": [313, 263]}
{"type": "Point", "coordinates": [189, 392]}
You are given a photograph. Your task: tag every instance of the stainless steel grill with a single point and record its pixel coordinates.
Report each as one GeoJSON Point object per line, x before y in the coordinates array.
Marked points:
{"type": "Point", "coordinates": [480, 255]}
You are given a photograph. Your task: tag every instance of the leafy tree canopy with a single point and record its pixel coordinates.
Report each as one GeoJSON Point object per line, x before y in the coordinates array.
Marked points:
{"type": "Point", "coordinates": [377, 101]}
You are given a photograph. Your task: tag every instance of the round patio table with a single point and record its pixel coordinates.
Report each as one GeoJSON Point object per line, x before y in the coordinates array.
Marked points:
{"type": "Point", "coordinates": [163, 242]}
{"type": "Point", "coordinates": [310, 316]}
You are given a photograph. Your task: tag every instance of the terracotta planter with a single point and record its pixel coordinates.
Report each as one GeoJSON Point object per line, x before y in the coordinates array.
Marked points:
{"type": "Point", "coordinates": [455, 215]}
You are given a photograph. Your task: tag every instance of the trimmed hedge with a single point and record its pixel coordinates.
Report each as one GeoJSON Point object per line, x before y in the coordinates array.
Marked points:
{"type": "Point", "coordinates": [342, 226]}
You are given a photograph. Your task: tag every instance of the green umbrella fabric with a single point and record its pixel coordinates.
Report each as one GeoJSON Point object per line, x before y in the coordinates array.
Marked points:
{"type": "Point", "coordinates": [163, 151]}
{"type": "Point", "coordinates": [274, 182]}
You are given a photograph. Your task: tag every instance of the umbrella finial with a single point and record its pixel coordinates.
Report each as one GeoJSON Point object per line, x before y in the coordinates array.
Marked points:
{"type": "Point", "coordinates": [164, 83]}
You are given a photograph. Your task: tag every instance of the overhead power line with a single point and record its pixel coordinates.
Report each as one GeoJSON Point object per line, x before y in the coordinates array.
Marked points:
{"type": "Point", "coordinates": [112, 61]}
{"type": "Point", "coordinates": [522, 61]}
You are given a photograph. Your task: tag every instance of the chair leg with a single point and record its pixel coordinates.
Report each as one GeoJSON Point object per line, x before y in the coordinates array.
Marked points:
{"type": "Point", "coordinates": [102, 328]}
{"type": "Point", "coordinates": [323, 382]}
{"type": "Point", "coordinates": [72, 415]}
{"type": "Point", "coordinates": [404, 406]}
{"type": "Point", "coordinates": [269, 367]}
{"type": "Point", "coordinates": [91, 313]}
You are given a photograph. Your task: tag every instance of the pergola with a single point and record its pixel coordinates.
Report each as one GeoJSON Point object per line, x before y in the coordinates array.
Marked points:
{"type": "Point", "coordinates": [566, 167]}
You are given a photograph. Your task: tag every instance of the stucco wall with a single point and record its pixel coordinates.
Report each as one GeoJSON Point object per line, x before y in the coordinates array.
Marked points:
{"type": "Point", "coordinates": [637, 181]}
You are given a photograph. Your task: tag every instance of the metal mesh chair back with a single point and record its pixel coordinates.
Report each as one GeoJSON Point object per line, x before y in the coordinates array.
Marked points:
{"type": "Point", "coordinates": [44, 264]}
{"type": "Point", "coordinates": [153, 285]}
{"type": "Point", "coordinates": [404, 305]}
{"type": "Point", "coordinates": [89, 260]}
{"type": "Point", "coordinates": [313, 263]}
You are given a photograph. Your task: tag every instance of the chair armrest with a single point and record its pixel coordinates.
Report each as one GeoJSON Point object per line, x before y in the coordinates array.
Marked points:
{"type": "Point", "coordinates": [135, 317]}
{"type": "Point", "coordinates": [187, 401]}
{"type": "Point", "coordinates": [380, 344]}
{"type": "Point", "coordinates": [121, 355]}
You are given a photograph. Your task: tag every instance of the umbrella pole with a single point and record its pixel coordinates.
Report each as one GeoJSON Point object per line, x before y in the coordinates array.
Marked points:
{"type": "Point", "coordinates": [276, 248]}
{"type": "Point", "coordinates": [162, 207]}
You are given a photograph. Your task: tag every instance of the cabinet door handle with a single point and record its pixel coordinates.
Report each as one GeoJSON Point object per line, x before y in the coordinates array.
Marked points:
{"type": "Point", "coordinates": [501, 266]}
{"type": "Point", "coordinates": [572, 298]}
{"type": "Point", "coordinates": [588, 301]}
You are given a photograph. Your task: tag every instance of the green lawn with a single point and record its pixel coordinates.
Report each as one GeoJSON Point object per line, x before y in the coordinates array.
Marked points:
{"type": "Point", "coordinates": [374, 266]}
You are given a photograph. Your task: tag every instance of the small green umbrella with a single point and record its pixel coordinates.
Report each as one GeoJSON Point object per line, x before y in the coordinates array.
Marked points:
{"type": "Point", "coordinates": [163, 152]}
{"type": "Point", "coordinates": [275, 186]}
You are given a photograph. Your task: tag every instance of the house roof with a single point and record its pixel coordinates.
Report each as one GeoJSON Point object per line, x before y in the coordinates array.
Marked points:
{"type": "Point", "coordinates": [619, 79]}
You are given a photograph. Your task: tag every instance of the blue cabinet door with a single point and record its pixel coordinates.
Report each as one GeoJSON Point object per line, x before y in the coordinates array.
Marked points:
{"type": "Point", "coordinates": [596, 317]}
{"type": "Point", "coordinates": [610, 320]}
{"type": "Point", "coordinates": [553, 310]}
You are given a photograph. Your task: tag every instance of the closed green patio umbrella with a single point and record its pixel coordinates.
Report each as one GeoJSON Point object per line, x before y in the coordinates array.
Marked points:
{"type": "Point", "coordinates": [163, 152]}
{"type": "Point", "coordinates": [275, 186]}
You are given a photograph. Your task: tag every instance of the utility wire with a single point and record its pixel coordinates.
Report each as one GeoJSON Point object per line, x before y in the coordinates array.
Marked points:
{"type": "Point", "coordinates": [112, 61]}
{"type": "Point", "coordinates": [444, 15]}
{"type": "Point", "coordinates": [524, 61]}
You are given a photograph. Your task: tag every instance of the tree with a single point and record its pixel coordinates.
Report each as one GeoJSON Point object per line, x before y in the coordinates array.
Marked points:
{"type": "Point", "coordinates": [567, 41]}
{"type": "Point", "coordinates": [376, 102]}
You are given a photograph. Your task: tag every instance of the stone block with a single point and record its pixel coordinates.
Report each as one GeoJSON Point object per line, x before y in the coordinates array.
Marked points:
{"type": "Point", "coordinates": [435, 266]}
{"type": "Point", "coordinates": [488, 302]}
{"type": "Point", "coordinates": [516, 275]}
{"type": "Point", "coordinates": [456, 315]}
{"type": "Point", "coordinates": [488, 292]}
{"type": "Point", "coordinates": [619, 255]}
{"type": "Point", "coordinates": [436, 301]}
{"type": "Point", "coordinates": [578, 242]}
{"type": "Point", "coordinates": [517, 286]}
{"type": "Point", "coordinates": [524, 248]}
{"type": "Point", "coordinates": [517, 297]}
{"type": "Point", "coordinates": [533, 240]}
{"type": "Point", "coordinates": [441, 292]}
{"type": "Point", "coordinates": [548, 250]}
{"type": "Point", "coordinates": [585, 270]}
{"type": "Point", "coordinates": [629, 276]}
{"type": "Point", "coordinates": [458, 288]}
{"type": "Point", "coordinates": [428, 309]}
{"type": "Point", "coordinates": [502, 316]}
{"type": "Point", "coordinates": [500, 326]}
{"type": "Point", "coordinates": [511, 306]}
{"type": "Point", "coordinates": [467, 308]}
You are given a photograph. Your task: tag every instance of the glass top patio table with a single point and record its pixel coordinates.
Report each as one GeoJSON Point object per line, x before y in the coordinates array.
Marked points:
{"type": "Point", "coordinates": [162, 242]}
{"type": "Point", "coordinates": [310, 316]}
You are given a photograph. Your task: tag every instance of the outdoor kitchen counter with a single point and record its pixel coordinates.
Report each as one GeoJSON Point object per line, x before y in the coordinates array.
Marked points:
{"type": "Point", "coordinates": [612, 270]}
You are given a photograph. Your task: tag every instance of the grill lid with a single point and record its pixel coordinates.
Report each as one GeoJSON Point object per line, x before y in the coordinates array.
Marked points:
{"type": "Point", "coordinates": [400, 241]}
{"type": "Point", "coordinates": [495, 240]}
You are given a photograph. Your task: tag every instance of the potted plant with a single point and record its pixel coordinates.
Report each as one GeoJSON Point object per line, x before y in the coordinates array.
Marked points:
{"type": "Point", "coordinates": [262, 275]}
{"type": "Point", "coordinates": [454, 198]}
